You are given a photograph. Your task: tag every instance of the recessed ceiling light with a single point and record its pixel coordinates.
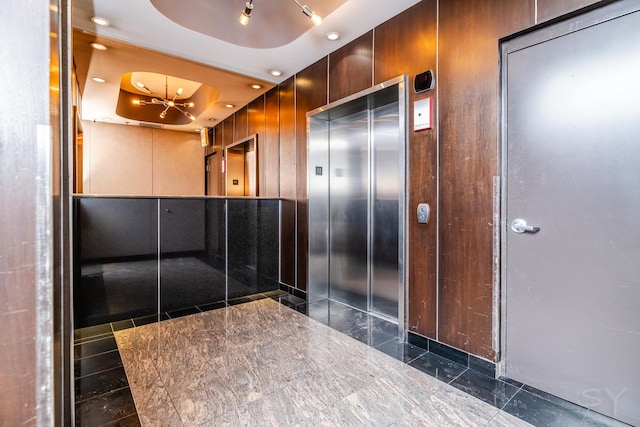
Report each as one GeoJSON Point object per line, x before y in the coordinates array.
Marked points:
{"type": "Point", "coordinates": [275, 73]}
{"type": "Point", "coordinates": [211, 119]}
{"type": "Point", "coordinates": [229, 105]}
{"type": "Point", "coordinates": [333, 36]}
{"type": "Point", "coordinates": [100, 21]}
{"type": "Point", "coordinates": [98, 80]}
{"type": "Point", "coordinates": [256, 86]}
{"type": "Point", "coordinates": [98, 46]}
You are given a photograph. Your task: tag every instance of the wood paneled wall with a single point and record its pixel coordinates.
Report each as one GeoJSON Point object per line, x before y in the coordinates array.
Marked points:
{"type": "Point", "coordinates": [256, 126]}
{"type": "Point", "coordinates": [351, 68]}
{"type": "Point", "coordinates": [451, 166]}
{"type": "Point", "coordinates": [407, 45]}
{"type": "Point", "coordinates": [311, 93]}
{"type": "Point", "coordinates": [468, 96]}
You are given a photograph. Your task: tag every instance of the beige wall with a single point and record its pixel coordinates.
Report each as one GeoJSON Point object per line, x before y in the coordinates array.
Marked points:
{"type": "Point", "coordinates": [133, 160]}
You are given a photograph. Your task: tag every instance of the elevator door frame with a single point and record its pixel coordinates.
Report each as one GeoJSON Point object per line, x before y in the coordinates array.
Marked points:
{"type": "Point", "coordinates": [320, 288]}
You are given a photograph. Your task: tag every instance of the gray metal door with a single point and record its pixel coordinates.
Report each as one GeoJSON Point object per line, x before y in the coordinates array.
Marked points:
{"type": "Point", "coordinates": [571, 159]}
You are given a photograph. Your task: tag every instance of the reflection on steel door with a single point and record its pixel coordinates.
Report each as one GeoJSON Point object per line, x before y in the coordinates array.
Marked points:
{"type": "Point", "coordinates": [571, 210]}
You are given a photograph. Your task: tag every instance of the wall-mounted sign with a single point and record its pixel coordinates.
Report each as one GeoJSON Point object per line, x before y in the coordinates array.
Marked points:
{"type": "Point", "coordinates": [422, 114]}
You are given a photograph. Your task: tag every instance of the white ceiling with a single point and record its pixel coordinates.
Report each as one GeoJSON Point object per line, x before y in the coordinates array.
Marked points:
{"type": "Point", "coordinates": [231, 52]}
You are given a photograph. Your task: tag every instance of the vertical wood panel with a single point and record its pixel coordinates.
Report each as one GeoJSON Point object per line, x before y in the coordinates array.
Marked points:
{"type": "Point", "coordinates": [549, 9]}
{"type": "Point", "coordinates": [228, 131]}
{"type": "Point", "coordinates": [256, 125]}
{"type": "Point", "coordinates": [350, 68]}
{"type": "Point", "coordinates": [272, 144]}
{"type": "Point", "coordinates": [397, 43]}
{"type": "Point", "coordinates": [288, 181]}
{"type": "Point", "coordinates": [241, 123]}
{"type": "Point", "coordinates": [469, 74]}
{"type": "Point", "coordinates": [311, 93]}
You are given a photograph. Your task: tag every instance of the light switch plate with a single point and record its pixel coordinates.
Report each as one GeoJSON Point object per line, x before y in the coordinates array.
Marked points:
{"type": "Point", "coordinates": [422, 114]}
{"type": "Point", "coordinates": [423, 213]}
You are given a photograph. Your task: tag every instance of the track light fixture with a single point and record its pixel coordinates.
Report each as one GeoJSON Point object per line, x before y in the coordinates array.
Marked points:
{"type": "Point", "coordinates": [309, 13]}
{"type": "Point", "coordinates": [248, 8]}
{"type": "Point", "coordinates": [165, 102]}
{"type": "Point", "coordinates": [246, 13]}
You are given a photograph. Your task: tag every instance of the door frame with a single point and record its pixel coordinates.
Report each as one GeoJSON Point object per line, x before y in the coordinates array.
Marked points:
{"type": "Point", "coordinates": [576, 21]}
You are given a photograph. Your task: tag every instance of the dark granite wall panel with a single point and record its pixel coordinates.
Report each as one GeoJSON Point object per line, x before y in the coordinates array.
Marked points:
{"type": "Point", "coordinates": [195, 244]}
{"type": "Point", "coordinates": [187, 278]}
{"type": "Point", "coordinates": [116, 266]}
{"type": "Point", "coordinates": [253, 246]}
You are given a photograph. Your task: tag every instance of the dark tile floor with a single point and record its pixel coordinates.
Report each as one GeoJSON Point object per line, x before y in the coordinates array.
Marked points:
{"type": "Point", "coordinates": [103, 396]}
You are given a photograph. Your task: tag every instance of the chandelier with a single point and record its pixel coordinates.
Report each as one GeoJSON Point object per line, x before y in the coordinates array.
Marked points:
{"type": "Point", "coordinates": [248, 8]}
{"type": "Point", "coordinates": [166, 102]}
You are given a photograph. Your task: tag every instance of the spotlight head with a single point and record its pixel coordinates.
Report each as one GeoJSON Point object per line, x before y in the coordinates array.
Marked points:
{"type": "Point", "coordinates": [317, 20]}
{"type": "Point", "coordinates": [246, 13]}
{"type": "Point", "coordinates": [191, 116]}
{"type": "Point", "coordinates": [179, 91]}
{"type": "Point", "coordinates": [136, 102]}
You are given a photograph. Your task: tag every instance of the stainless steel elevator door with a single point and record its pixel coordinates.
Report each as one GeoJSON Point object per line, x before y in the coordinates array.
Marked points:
{"type": "Point", "coordinates": [349, 209]}
{"type": "Point", "coordinates": [387, 192]}
{"type": "Point", "coordinates": [572, 168]}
